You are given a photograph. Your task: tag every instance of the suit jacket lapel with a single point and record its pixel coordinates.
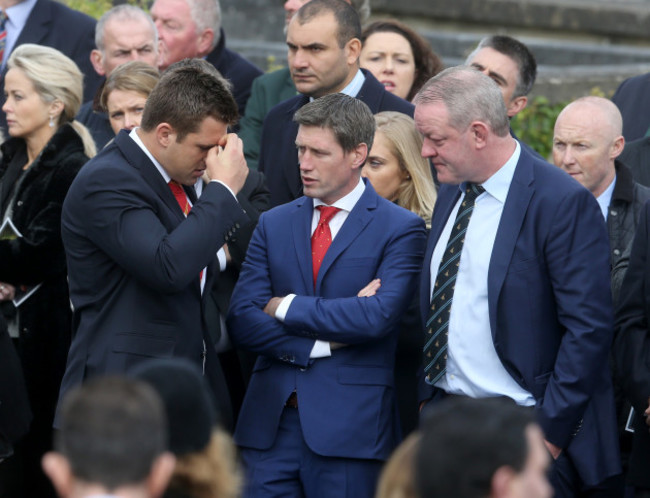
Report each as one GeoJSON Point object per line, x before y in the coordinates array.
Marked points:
{"type": "Point", "coordinates": [301, 232]}
{"type": "Point", "coordinates": [139, 160]}
{"type": "Point", "coordinates": [514, 212]}
{"type": "Point", "coordinates": [371, 92]}
{"type": "Point", "coordinates": [355, 223]}
{"type": "Point", "coordinates": [37, 24]}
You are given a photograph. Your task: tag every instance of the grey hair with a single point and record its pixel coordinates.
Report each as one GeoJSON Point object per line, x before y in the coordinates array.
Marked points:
{"type": "Point", "coordinates": [469, 95]}
{"type": "Point", "coordinates": [350, 120]}
{"type": "Point", "coordinates": [122, 12]}
{"type": "Point", "coordinates": [206, 14]}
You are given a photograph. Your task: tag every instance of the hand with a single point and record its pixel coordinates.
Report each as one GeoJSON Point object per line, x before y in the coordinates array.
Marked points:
{"type": "Point", "coordinates": [7, 292]}
{"type": "Point", "coordinates": [226, 163]}
{"type": "Point", "coordinates": [272, 306]}
{"type": "Point", "coordinates": [552, 449]}
{"type": "Point", "coordinates": [370, 289]}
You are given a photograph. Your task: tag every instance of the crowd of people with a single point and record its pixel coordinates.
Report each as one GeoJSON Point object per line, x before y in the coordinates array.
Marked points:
{"type": "Point", "coordinates": [343, 278]}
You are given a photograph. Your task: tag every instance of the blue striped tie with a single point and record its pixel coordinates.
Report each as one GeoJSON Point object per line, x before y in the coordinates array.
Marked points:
{"type": "Point", "coordinates": [437, 326]}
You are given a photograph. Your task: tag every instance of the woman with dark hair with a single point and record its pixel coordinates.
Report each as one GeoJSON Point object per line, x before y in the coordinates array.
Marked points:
{"type": "Point", "coordinates": [398, 57]}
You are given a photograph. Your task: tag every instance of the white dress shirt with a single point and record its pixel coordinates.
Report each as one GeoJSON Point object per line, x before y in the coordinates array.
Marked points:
{"type": "Point", "coordinates": [605, 199]}
{"type": "Point", "coordinates": [473, 366]}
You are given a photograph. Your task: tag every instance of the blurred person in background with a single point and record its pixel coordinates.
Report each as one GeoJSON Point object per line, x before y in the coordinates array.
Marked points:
{"type": "Point", "coordinates": [398, 57]}
{"type": "Point", "coordinates": [46, 150]}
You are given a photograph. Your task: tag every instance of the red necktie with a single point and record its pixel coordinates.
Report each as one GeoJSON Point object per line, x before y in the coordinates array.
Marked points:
{"type": "Point", "coordinates": [322, 237]}
{"type": "Point", "coordinates": [183, 202]}
{"type": "Point", "coordinates": [3, 33]}
{"type": "Point", "coordinates": [181, 196]}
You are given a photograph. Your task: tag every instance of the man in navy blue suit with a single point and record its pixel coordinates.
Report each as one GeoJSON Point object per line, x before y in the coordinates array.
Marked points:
{"type": "Point", "coordinates": [141, 248]}
{"type": "Point", "coordinates": [324, 46]}
{"type": "Point", "coordinates": [522, 307]}
{"type": "Point", "coordinates": [319, 415]}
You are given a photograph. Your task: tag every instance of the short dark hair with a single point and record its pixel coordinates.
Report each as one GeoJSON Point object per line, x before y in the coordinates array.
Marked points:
{"type": "Point", "coordinates": [427, 63]}
{"type": "Point", "coordinates": [519, 53]}
{"type": "Point", "coordinates": [350, 120]}
{"type": "Point", "coordinates": [112, 430]}
{"type": "Point", "coordinates": [188, 92]}
{"type": "Point", "coordinates": [349, 25]}
{"type": "Point", "coordinates": [464, 442]}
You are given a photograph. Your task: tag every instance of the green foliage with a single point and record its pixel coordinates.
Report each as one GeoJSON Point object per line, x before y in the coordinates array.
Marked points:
{"type": "Point", "coordinates": [534, 125]}
{"type": "Point", "coordinates": [95, 8]}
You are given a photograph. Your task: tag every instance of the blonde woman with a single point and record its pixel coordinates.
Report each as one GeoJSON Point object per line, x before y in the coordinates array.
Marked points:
{"type": "Point", "coordinates": [45, 150]}
{"type": "Point", "coordinates": [395, 167]}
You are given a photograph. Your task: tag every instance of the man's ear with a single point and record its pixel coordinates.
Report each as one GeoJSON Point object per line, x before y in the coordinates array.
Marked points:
{"type": "Point", "coordinates": [517, 105]}
{"type": "Point", "coordinates": [204, 42]}
{"type": "Point", "coordinates": [352, 51]}
{"type": "Point", "coordinates": [57, 468]}
{"type": "Point", "coordinates": [97, 60]}
{"type": "Point", "coordinates": [502, 483]}
{"type": "Point", "coordinates": [360, 154]}
{"type": "Point", "coordinates": [617, 147]}
{"type": "Point", "coordinates": [161, 472]}
{"type": "Point", "coordinates": [165, 134]}
{"type": "Point", "coordinates": [480, 132]}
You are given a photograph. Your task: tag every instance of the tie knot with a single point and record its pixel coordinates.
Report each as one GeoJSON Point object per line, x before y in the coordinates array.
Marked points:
{"type": "Point", "coordinates": [472, 191]}
{"type": "Point", "coordinates": [327, 213]}
{"type": "Point", "coordinates": [176, 187]}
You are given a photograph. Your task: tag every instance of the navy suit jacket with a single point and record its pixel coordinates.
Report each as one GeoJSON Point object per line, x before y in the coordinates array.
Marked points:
{"type": "Point", "coordinates": [346, 401]}
{"type": "Point", "coordinates": [550, 308]}
{"type": "Point", "coordinates": [632, 98]}
{"type": "Point", "coordinates": [55, 25]}
{"type": "Point", "coordinates": [134, 262]}
{"type": "Point", "coordinates": [278, 157]}
{"type": "Point", "coordinates": [235, 69]}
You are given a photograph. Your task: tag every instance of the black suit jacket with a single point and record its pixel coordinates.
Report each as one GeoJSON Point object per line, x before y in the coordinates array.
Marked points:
{"type": "Point", "coordinates": [134, 262]}
{"type": "Point", "coordinates": [235, 69]}
{"type": "Point", "coordinates": [278, 156]}
{"type": "Point", "coordinates": [632, 98]}
{"type": "Point", "coordinates": [71, 32]}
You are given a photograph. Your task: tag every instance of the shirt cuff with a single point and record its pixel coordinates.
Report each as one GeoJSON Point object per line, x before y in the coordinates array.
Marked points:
{"type": "Point", "coordinates": [283, 307]}
{"type": "Point", "coordinates": [221, 257]}
{"type": "Point", "coordinates": [321, 349]}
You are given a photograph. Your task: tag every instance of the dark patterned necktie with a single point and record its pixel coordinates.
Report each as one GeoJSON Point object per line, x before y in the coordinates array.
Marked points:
{"type": "Point", "coordinates": [437, 326]}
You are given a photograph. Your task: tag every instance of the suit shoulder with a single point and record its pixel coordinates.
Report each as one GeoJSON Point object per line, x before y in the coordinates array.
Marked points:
{"type": "Point", "coordinates": [392, 102]}
{"type": "Point", "coordinates": [64, 14]}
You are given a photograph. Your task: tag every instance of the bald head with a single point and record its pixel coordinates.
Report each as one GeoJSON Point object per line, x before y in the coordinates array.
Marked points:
{"type": "Point", "coordinates": [586, 141]}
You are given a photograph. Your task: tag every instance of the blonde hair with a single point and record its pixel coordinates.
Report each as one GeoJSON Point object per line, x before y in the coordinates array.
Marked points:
{"type": "Point", "coordinates": [397, 478]}
{"type": "Point", "coordinates": [210, 473]}
{"type": "Point", "coordinates": [417, 192]}
{"type": "Point", "coordinates": [55, 77]}
{"type": "Point", "coordinates": [133, 76]}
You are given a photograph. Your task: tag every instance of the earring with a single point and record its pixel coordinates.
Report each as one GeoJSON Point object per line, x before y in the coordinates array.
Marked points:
{"type": "Point", "coordinates": [51, 121]}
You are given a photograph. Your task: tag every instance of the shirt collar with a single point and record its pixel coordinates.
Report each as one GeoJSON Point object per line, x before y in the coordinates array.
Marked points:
{"type": "Point", "coordinates": [605, 199]}
{"type": "Point", "coordinates": [134, 136]}
{"type": "Point", "coordinates": [354, 87]}
{"type": "Point", "coordinates": [347, 202]}
{"type": "Point", "coordinates": [19, 13]}
{"type": "Point", "coordinates": [499, 183]}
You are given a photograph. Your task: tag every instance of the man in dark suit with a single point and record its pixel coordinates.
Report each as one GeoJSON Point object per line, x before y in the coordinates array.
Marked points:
{"type": "Point", "coordinates": [124, 33]}
{"type": "Point", "coordinates": [319, 414]}
{"type": "Point", "coordinates": [137, 255]}
{"type": "Point", "coordinates": [324, 46]}
{"type": "Point", "coordinates": [272, 88]}
{"type": "Point", "coordinates": [515, 292]}
{"type": "Point", "coordinates": [192, 28]}
{"type": "Point", "coordinates": [51, 23]}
